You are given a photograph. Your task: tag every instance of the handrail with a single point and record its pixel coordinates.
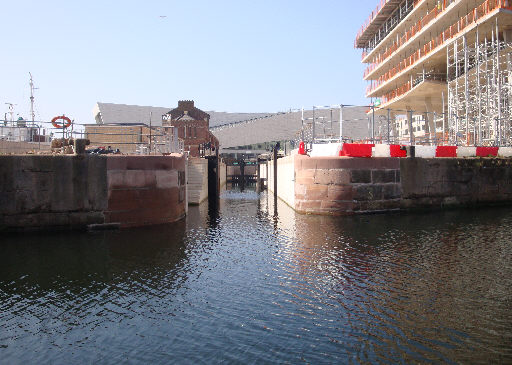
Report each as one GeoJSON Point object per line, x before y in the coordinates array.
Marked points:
{"type": "Point", "coordinates": [413, 30]}
{"type": "Point", "coordinates": [484, 9]}
{"type": "Point", "coordinates": [372, 17]}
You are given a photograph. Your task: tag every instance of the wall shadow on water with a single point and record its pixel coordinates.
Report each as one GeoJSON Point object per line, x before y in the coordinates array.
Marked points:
{"type": "Point", "coordinates": [73, 261]}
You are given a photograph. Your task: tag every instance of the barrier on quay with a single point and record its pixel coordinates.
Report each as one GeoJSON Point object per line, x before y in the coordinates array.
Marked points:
{"type": "Point", "coordinates": [393, 150]}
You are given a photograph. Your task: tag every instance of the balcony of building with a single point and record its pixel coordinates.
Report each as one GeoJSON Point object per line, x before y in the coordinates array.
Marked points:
{"type": "Point", "coordinates": [377, 19]}
{"type": "Point", "coordinates": [424, 93]}
{"type": "Point", "coordinates": [441, 22]}
{"type": "Point", "coordinates": [398, 26]}
{"type": "Point", "coordinates": [433, 54]}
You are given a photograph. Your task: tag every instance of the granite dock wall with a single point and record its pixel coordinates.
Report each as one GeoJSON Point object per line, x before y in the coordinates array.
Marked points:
{"type": "Point", "coordinates": [341, 185]}
{"type": "Point", "coordinates": [145, 190]}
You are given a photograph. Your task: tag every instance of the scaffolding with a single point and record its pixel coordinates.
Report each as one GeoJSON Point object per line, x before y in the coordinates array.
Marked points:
{"type": "Point", "coordinates": [479, 89]}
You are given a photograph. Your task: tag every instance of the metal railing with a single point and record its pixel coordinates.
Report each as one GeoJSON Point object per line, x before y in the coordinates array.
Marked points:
{"type": "Point", "coordinates": [19, 137]}
{"type": "Point", "coordinates": [404, 127]}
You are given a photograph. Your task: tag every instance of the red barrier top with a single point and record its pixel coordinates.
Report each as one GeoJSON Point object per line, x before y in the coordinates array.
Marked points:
{"type": "Point", "coordinates": [357, 150]}
{"type": "Point", "coordinates": [446, 151]}
{"type": "Point", "coordinates": [396, 151]}
{"type": "Point", "coordinates": [487, 151]}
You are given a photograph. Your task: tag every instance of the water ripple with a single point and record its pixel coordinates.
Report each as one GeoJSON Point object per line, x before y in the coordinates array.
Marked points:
{"type": "Point", "coordinates": [248, 286]}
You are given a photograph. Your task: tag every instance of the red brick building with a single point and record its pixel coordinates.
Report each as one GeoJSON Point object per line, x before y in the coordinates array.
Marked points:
{"type": "Point", "coordinates": [193, 126]}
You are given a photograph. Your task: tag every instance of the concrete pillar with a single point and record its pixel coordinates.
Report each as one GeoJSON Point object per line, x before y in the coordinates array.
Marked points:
{"type": "Point", "coordinates": [430, 126]}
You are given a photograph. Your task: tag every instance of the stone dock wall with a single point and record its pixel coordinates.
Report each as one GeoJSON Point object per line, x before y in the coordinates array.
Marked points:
{"type": "Point", "coordinates": [145, 190]}
{"type": "Point", "coordinates": [334, 185]}
{"type": "Point", "coordinates": [74, 191]}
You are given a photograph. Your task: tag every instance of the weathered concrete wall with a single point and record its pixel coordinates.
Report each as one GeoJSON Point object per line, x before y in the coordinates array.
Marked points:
{"type": "Point", "coordinates": [334, 185]}
{"type": "Point", "coordinates": [197, 180]}
{"type": "Point", "coordinates": [52, 191]}
{"type": "Point", "coordinates": [285, 178]}
{"type": "Point", "coordinates": [455, 181]}
{"type": "Point", "coordinates": [145, 190]}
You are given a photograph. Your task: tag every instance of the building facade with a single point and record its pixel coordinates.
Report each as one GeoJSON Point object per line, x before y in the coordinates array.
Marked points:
{"type": "Point", "coordinates": [126, 138]}
{"type": "Point", "coordinates": [192, 125]}
{"type": "Point", "coordinates": [444, 65]}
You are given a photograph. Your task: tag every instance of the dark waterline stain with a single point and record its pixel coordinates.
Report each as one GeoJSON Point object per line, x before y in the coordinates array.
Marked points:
{"type": "Point", "coordinates": [244, 285]}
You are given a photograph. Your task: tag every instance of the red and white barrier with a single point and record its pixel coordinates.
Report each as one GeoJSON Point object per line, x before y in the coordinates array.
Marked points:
{"type": "Point", "coordinates": [393, 150]}
{"type": "Point", "coordinates": [505, 152]}
{"type": "Point", "coordinates": [325, 150]}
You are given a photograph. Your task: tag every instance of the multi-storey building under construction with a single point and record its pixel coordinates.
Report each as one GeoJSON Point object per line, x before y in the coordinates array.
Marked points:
{"type": "Point", "coordinates": [446, 62]}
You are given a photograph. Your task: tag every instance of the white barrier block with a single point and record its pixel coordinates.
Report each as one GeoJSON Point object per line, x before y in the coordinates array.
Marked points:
{"type": "Point", "coordinates": [505, 152]}
{"type": "Point", "coordinates": [382, 150]}
{"type": "Point", "coordinates": [325, 149]}
{"type": "Point", "coordinates": [425, 151]}
{"type": "Point", "coordinates": [466, 151]}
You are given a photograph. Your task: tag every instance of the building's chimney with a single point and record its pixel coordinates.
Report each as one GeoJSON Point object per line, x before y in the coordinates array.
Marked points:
{"type": "Point", "coordinates": [186, 104]}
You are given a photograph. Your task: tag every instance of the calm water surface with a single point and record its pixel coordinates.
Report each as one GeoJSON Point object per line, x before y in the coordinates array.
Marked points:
{"type": "Point", "coordinates": [246, 286]}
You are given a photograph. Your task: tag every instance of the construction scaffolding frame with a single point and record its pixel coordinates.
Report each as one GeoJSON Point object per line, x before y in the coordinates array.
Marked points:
{"type": "Point", "coordinates": [479, 89]}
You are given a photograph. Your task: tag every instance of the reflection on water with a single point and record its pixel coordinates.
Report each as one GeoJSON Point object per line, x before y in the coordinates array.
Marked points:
{"type": "Point", "coordinates": [245, 285]}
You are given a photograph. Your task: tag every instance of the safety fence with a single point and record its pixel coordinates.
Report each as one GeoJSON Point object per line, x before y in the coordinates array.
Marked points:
{"type": "Point", "coordinates": [375, 125]}
{"type": "Point", "coordinates": [18, 137]}
{"type": "Point", "coordinates": [449, 33]}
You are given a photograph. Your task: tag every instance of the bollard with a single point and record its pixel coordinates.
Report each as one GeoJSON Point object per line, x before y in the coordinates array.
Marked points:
{"type": "Point", "coordinates": [79, 146]}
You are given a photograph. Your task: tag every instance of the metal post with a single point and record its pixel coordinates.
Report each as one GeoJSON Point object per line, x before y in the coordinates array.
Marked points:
{"type": "Point", "coordinates": [341, 123]}
{"type": "Point", "coordinates": [444, 117]}
{"type": "Point", "coordinates": [257, 174]}
{"type": "Point", "coordinates": [498, 80]}
{"type": "Point", "coordinates": [466, 86]}
{"type": "Point", "coordinates": [479, 90]}
{"type": "Point", "coordinates": [302, 120]}
{"type": "Point", "coordinates": [373, 123]}
{"type": "Point", "coordinates": [314, 130]}
{"type": "Point", "coordinates": [267, 177]}
{"type": "Point", "coordinates": [456, 101]}
{"type": "Point", "coordinates": [149, 149]}
{"type": "Point", "coordinates": [275, 179]}
{"type": "Point", "coordinates": [389, 132]}
{"type": "Point", "coordinates": [456, 129]}
{"type": "Point", "coordinates": [411, 135]}
{"type": "Point", "coordinates": [435, 128]}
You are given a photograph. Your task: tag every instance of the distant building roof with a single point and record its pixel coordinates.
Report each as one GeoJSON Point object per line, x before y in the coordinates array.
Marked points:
{"type": "Point", "coordinates": [287, 126]}
{"type": "Point", "coordinates": [110, 113]}
{"type": "Point", "coordinates": [187, 111]}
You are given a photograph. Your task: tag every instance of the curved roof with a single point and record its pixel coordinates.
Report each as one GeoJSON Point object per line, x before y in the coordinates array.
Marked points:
{"type": "Point", "coordinates": [110, 113]}
{"type": "Point", "coordinates": [287, 126]}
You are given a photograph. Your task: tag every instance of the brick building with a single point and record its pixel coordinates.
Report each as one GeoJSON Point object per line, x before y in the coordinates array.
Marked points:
{"type": "Point", "coordinates": [192, 125]}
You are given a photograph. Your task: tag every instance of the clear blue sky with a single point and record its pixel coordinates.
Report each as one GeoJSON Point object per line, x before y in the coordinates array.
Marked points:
{"type": "Point", "coordinates": [238, 56]}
